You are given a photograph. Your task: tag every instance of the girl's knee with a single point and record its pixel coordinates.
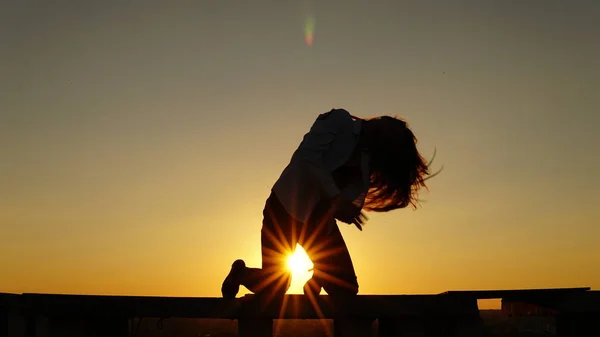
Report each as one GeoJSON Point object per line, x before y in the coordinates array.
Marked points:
{"type": "Point", "coordinates": [279, 285]}
{"type": "Point", "coordinates": [340, 285]}
{"type": "Point", "coordinates": [341, 290]}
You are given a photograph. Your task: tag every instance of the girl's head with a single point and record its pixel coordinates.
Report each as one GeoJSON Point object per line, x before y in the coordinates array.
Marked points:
{"type": "Point", "coordinates": [398, 171]}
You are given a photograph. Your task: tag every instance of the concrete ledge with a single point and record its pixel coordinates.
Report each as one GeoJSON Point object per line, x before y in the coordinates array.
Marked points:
{"type": "Point", "coordinates": [127, 306]}
{"type": "Point", "coordinates": [362, 306]}
{"type": "Point", "coordinates": [447, 314]}
{"type": "Point", "coordinates": [291, 306]}
{"type": "Point", "coordinates": [516, 293]}
{"type": "Point", "coordinates": [456, 303]}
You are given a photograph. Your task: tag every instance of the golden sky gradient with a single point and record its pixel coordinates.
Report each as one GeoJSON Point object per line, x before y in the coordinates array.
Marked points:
{"type": "Point", "coordinates": [139, 140]}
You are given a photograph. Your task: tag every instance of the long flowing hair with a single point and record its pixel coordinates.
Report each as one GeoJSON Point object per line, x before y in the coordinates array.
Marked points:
{"type": "Point", "coordinates": [398, 170]}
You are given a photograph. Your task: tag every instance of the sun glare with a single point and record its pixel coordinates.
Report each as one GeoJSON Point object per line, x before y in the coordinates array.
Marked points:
{"type": "Point", "coordinates": [299, 264]}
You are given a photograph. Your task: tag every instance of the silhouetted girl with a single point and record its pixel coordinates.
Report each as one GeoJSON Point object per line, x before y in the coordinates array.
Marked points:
{"type": "Point", "coordinates": [343, 165]}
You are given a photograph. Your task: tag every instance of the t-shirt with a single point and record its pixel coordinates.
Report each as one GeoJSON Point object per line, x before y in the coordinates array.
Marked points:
{"type": "Point", "coordinates": [317, 168]}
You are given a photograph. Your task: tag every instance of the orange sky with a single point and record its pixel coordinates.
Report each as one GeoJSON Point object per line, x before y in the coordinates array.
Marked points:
{"type": "Point", "coordinates": [138, 141]}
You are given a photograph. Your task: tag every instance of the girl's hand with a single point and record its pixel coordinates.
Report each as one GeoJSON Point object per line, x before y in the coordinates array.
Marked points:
{"type": "Point", "coordinates": [360, 220]}
{"type": "Point", "coordinates": [346, 211]}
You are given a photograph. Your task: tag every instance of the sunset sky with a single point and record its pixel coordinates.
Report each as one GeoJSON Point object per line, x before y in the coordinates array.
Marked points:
{"type": "Point", "coordinates": [139, 139]}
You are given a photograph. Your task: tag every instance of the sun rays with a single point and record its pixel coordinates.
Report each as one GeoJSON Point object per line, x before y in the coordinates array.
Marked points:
{"type": "Point", "coordinates": [299, 264]}
{"type": "Point", "coordinates": [288, 251]}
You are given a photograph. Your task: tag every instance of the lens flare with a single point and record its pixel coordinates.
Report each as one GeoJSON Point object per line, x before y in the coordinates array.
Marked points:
{"type": "Point", "coordinates": [309, 30]}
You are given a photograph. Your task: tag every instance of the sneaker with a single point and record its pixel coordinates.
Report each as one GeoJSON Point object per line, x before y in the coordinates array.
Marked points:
{"type": "Point", "coordinates": [231, 284]}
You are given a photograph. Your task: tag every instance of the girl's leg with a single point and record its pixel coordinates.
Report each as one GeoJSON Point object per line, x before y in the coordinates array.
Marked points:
{"type": "Point", "coordinates": [278, 242]}
{"type": "Point", "coordinates": [333, 267]}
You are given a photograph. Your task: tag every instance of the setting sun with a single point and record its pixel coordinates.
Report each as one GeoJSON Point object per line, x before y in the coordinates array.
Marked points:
{"type": "Point", "coordinates": [299, 264]}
